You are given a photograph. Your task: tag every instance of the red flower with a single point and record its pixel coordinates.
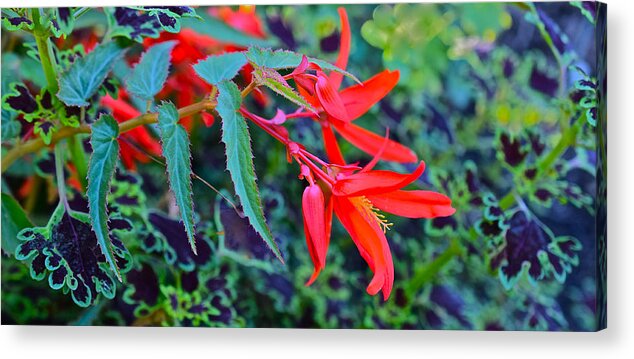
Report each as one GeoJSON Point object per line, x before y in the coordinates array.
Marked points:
{"type": "Point", "coordinates": [244, 19]}
{"type": "Point", "coordinates": [356, 195]}
{"type": "Point", "coordinates": [316, 226]}
{"type": "Point", "coordinates": [357, 198]}
{"type": "Point", "coordinates": [337, 109]}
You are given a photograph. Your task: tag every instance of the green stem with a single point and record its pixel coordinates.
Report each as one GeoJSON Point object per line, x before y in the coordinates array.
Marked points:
{"type": "Point", "coordinates": [36, 144]}
{"type": "Point", "coordinates": [80, 12]}
{"type": "Point", "coordinates": [568, 138]}
{"type": "Point", "coordinates": [426, 273]}
{"type": "Point", "coordinates": [41, 34]}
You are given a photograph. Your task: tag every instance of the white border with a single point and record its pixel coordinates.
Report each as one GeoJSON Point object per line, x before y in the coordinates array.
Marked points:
{"type": "Point", "coordinates": [615, 342]}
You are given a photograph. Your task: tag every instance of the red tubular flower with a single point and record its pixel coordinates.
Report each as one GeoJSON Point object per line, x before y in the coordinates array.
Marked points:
{"type": "Point", "coordinates": [356, 195]}
{"type": "Point", "coordinates": [337, 109]}
{"type": "Point", "coordinates": [357, 198]}
{"type": "Point", "coordinates": [317, 233]}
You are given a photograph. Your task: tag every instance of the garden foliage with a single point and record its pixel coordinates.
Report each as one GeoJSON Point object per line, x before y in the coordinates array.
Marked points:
{"type": "Point", "coordinates": [234, 166]}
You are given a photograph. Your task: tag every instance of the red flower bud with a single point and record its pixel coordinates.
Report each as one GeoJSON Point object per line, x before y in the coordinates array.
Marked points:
{"type": "Point", "coordinates": [314, 210]}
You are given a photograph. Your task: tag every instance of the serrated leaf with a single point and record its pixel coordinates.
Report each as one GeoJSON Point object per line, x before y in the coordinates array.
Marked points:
{"type": "Point", "coordinates": [100, 171]}
{"type": "Point", "coordinates": [13, 221]}
{"type": "Point", "coordinates": [235, 136]}
{"type": "Point", "coordinates": [284, 59]}
{"type": "Point", "coordinates": [179, 169]}
{"type": "Point", "coordinates": [214, 27]}
{"type": "Point", "coordinates": [149, 75]}
{"type": "Point", "coordinates": [85, 75]}
{"type": "Point", "coordinates": [218, 68]}
{"type": "Point", "coordinates": [273, 80]}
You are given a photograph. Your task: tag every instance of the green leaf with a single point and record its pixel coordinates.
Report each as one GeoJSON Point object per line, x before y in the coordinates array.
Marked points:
{"type": "Point", "coordinates": [235, 136]}
{"type": "Point", "coordinates": [218, 68]}
{"type": "Point", "coordinates": [64, 21]}
{"type": "Point", "coordinates": [211, 26]}
{"type": "Point", "coordinates": [66, 250]}
{"type": "Point", "coordinates": [13, 221]}
{"type": "Point", "coordinates": [100, 171]}
{"type": "Point", "coordinates": [273, 80]}
{"type": "Point", "coordinates": [284, 59]}
{"type": "Point", "coordinates": [14, 21]}
{"type": "Point", "coordinates": [85, 75]}
{"type": "Point", "coordinates": [168, 17]}
{"type": "Point", "coordinates": [11, 127]}
{"type": "Point", "coordinates": [179, 169]}
{"type": "Point", "coordinates": [149, 75]}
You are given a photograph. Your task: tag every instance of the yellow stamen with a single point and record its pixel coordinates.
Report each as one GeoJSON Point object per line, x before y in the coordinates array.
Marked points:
{"type": "Point", "coordinates": [370, 212]}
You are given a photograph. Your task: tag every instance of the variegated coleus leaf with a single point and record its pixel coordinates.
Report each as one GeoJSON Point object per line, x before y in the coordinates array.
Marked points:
{"type": "Point", "coordinates": [66, 250]}
{"type": "Point", "coordinates": [530, 247]}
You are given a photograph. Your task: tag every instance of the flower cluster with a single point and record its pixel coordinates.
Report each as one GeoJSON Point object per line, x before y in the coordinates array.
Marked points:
{"type": "Point", "coordinates": [356, 195]}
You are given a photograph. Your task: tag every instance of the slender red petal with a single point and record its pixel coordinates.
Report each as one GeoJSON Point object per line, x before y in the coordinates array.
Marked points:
{"type": "Point", "coordinates": [313, 256]}
{"type": "Point", "coordinates": [371, 243]}
{"type": "Point", "coordinates": [328, 218]}
{"type": "Point", "coordinates": [329, 98]}
{"type": "Point", "coordinates": [332, 147]}
{"type": "Point", "coordinates": [306, 87]}
{"type": "Point", "coordinates": [315, 227]}
{"type": "Point", "coordinates": [371, 143]}
{"type": "Point", "coordinates": [121, 110]}
{"type": "Point", "coordinates": [375, 182]}
{"type": "Point", "coordinates": [414, 204]}
{"type": "Point", "coordinates": [377, 156]}
{"type": "Point", "coordinates": [359, 98]}
{"type": "Point", "coordinates": [344, 49]}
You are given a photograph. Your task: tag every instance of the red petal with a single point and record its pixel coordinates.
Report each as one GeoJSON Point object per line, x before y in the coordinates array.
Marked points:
{"type": "Point", "coordinates": [375, 182]}
{"type": "Point", "coordinates": [358, 99]}
{"type": "Point", "coordinates": [414, 204]}
{"type": "Point", "coordinates": [317, 225]}
{"type": "Point", "coordinates": [372, 244]}
{"type": "Point", "coordinates": [301, 68]}
{"type": "Point", "coordinates": [121, 110]}
{"type": "Point", "coordinates": [344, 49]}
{"type": "Point", "coordinates": [313, 256]}
{"type": "Point", "coordinates": [329, 98]}
{"type": "Point", "coordinates": [306, 87]}
{"type": "Point", "coordinates": [127, 155]}
{"type": "Point", "coordinates": [208, 119]}
{"type": "Point", "coordinates": [371, 143]}
{"type": "Point", "coordinates": [314, 208]}
{"type": "Point", "coordinates": [332, 147]}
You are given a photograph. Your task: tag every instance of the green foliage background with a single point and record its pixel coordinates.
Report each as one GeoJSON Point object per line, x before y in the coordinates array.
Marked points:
{"type": "Point", "coordinates": [476, 91]}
